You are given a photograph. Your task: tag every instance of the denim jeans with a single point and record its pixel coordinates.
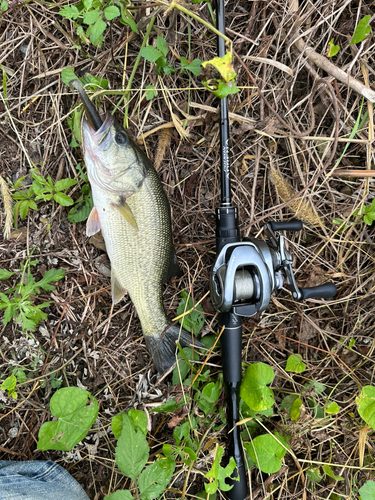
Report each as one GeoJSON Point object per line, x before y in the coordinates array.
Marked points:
{"type": "Point", "coordinates": [37, 480]}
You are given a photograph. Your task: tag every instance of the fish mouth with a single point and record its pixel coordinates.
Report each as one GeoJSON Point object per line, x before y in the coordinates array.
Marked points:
{"type": "Point", "coordinates": [99, 137]}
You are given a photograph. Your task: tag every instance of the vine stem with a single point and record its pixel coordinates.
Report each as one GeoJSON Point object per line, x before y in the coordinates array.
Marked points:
{"type": "Point", "coordinates": [176, 5]}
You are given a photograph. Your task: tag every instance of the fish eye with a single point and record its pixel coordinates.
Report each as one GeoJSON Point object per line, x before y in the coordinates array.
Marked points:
{"type": "Point", "coordinates": [121, 138]}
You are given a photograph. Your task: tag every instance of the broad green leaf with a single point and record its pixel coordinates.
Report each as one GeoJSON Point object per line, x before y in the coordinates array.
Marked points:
{"type": "Point", "coordinates": [155, 478]}
{"type": "Point", "coordinates": [195, 319]}
{"type": "Point", "coordinates": [266, 452]}
{"type": "Point", "coordinates": [254, 390]}
{"type": "Point", "coordinates": [111, 13]}
{"type": "Point", "coordinates": [150, 53]}
{"type": "Point", "coordinates": [208, 397]}
{"type": "Point", "coordinates": [367, 491]}
{"type": "Point", "coordinates": [69, 12]}
{"type": "Point", "coordinates": [5, 274]}
{"type": "Point", "coordinates": [295, 411]}
{"type": "Point", "coordinates": [332, 408]}
{"type": "Point", "coordinates": [219, 474]}
{"type": "Point", "coordinates": [67, 75]}
{"type": "Point", "coordinates": [313, 474]}
{"type": "Point", "coordinates": [295, 364]}
{"type": "Point", "coordinates": [63, 199]}
{"type": "Point", "coordinates": [132, 449]}
{"type": "Point", "coordinates": [93, 82]}
{"type": "Point", "coordinates": [87, 4]}
{"type": "Point", "coordinates": [361, 31]}
{"type": "Point", "coordinates": [92, 16]}
{"type": "Point", "coordinates": [366, 405]}
{"type": "Point", "coordinates": [50, 276]}
{"type": "Point", "coordinates": [168, 407]}
{"type": "Point", "coordinates": [181, 433]}
{"type": "Point", "coordinates": [120, 495]}
{"type": "Point", "coordinates": [96, 30]}
{"type": "Point", "coordinates": [76, 411]}
{"type": "Point", "coordinates": [182, 369]}
{"type": "Point", "coordinates": [9, 384]}
{"type": "Point", "coordinates": [314, 388]}
{"type": "Point", "coordinates": [21, 376]}
{"type": "Point", "coordinates": [151, 92]}
{"type": "Point", "coordinates": [82, 208]}
{"type": "Point", "coordinates": [327, 470]}
{"type": "Point", "coordinates": [116, 425]}
{"type": "Point", "coordinates": [4, 8]}
{"type": "Point", "coordinates": [288, 401]}
{"type": "Point", "coordinates": [332, 48]}
{"type": "Point", "coordinates": [139, 419]}
{"type": "Point", "coordinates": [194, 66]}
{"type": "Point", "coordinates": [223, 66]}
{"type": "Point", "coordinates": [65, 184]}
{"type": "Point", "coordinates": [23, 209]}
{"type": "Point", "coordinates": [161, 45]}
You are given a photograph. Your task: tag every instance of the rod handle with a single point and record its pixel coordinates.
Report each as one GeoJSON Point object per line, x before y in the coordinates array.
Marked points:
{"type": "Point", "coordinates": [292, 225]}
{"type": "Point", "coordinates": [325, 291]}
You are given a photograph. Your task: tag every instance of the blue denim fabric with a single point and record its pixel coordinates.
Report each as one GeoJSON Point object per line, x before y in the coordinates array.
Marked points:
{"type": "Point", "coordinates": [37, 480]}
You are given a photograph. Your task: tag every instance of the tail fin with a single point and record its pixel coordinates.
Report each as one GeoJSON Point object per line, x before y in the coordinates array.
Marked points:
{"type": "Point", "coordinates": [163, 348]}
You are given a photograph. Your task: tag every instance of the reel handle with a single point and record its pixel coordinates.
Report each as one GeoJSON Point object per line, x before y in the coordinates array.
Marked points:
{"type": "Point", "coordinates": [292, 225]}
{"type": "Point", "coordinates": [325, 291]}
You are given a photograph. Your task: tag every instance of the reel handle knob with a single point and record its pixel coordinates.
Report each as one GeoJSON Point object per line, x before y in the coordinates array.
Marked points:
{"type": "Point", "coordinates": [292, 225]}
{"type": "Point", "coordinates": [325, 291]}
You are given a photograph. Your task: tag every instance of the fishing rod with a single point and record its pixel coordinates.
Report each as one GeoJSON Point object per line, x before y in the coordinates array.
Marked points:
{"type": "Point", "coordinates": [242, 280]}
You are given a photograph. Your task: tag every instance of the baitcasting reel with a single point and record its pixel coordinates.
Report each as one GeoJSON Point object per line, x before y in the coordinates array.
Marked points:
{"type": "Point", "coordinates": [246, 273]}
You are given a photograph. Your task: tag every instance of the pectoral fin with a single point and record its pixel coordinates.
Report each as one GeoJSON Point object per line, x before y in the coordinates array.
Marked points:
{"type": "Point", "coordinates": [118, 291]}
{"type": "Point", "coordinates": [93, 224]}
{"type": "Point", "coordinates": [125, 210]}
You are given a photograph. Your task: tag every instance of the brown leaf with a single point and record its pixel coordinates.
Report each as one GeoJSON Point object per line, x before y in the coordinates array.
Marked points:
{"type": "Point", "coordinates": [178, 415]}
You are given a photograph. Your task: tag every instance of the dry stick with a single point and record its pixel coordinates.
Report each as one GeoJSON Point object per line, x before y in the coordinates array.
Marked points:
{"type": "Point", "coordinates": [354, 173]}
{"type": "Point", "coordinates": [298, 134]}
{"type": "Point", "coordinates": [333, 70]}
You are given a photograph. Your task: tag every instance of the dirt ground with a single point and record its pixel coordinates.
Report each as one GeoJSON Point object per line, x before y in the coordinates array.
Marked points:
{"type": "Point", "coordinates": [289, 126]}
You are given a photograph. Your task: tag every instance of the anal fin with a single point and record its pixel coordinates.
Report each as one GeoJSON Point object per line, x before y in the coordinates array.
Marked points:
{"type": "Point", "coordinates": [118, 291]}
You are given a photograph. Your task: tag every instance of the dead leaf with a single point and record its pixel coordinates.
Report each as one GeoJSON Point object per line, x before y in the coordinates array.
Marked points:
{"type": "Point", "coordinates": [178, 415]}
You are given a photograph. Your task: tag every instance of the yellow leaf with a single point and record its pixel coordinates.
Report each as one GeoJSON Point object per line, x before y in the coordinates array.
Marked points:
{"type": "Point", "coordinates": [223, 65]}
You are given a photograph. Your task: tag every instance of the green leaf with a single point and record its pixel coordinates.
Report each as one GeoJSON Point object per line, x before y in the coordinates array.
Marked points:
{"type": "Point", "coordinates": [195, 319]}
{"type": "Point", "coordinates": [93, 82]}
{"type": "Point", "coordinates": [116, 425]}
{"type": "Point", "coordinates": [295, 364]}
{"type": "Point", "coordinates": [132, 449]}
{"type": "Point", "coordinates": [92, 16]}
{"type": "Point", "coordinates": [208, 397]}
{"type": "Point", "coordinates": [181, 433]}
{"type": "Point", "coordinates": [69, 12]}
{"type": "Point", "coordinates": [4, 8]}
{"type": "Point", "coordinates": [362, 30]}
{"type": "Point", "coordinates": [111, 13]}
{"type": "Point", "coordinates": [150, 53]}
{"type": "Point", "coordinates": [151, 92]}
{"type": "Point", "coordinates": [223, 65]}
{"type": "Point", "coordinates": [120, 495]}
{"type": "Point", "coordinates": [67, 75]}
{"type": "Point", "coordinates": [63, 199]}
{"type": "Point", "coordinates": [332, 48]}
{"type": "Point", "coordinates": [266, 452]}
{"type": "Point", "coordinates": [254, 390]}
{"type": "Point", "coordinates": [161, 45]}
{"type": "Point", "coordinates": [194, 66]}
{"type": "Point", "coordinates": [9, 384]}
{"type": "Point", "coordinates": [76, 411]}
{"type": "Point", "coordinates": [367, 491]}
{"type": "Point", "coordinates": [168, 407]}
{"type": "Point", "coordinates": [65, 184]}
{"type": "Point", "coordinates": [139, 419]}
{"type": "Point", "coordinates": [288, 401]}
{"type": "Point", "coordinates": [313, 474]}
{"type": "Point", "coordinates": [127, 19]}
{"type": "Point", "coordinates": [23, 208]}
{"type": "Point", "coordinates": [366, 405]}
{"type": "Point", "coordinates": [155, 478]}
{"type": "Point", "coordinates": [219, 474]}
{"type": "Point", "coordinates": [5, 274]}
{"type": "Point", "coordinates": [314, 388]}
{"type": "Point", "coordinates": [327, 470]}
{"type": "Point", "coordinates": [81, 210]}
{"type": "Point", "coordinates": [295, 411]}
{"type": "Point", "coordinates": [96, 30]}
{"type": "Point", "coordinates": [21, 376]}
{"type": "Point", "coordinates": [332, 408]}
{"type": "Point", "coordinates": [182, 369]}
{"type": "Point", "coordinates": [50, 276]}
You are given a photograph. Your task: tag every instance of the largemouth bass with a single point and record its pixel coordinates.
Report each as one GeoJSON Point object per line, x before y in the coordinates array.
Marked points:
{"type": "Point", "coordinates": [133, 213]}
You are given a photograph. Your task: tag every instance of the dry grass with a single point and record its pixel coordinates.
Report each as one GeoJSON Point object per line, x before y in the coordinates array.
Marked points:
{"type": "Point", "coordinates": [100, 346]}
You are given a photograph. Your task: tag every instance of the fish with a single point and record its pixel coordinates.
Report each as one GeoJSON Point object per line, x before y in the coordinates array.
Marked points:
{"type": "Point", "coordinates": [132, 211]}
